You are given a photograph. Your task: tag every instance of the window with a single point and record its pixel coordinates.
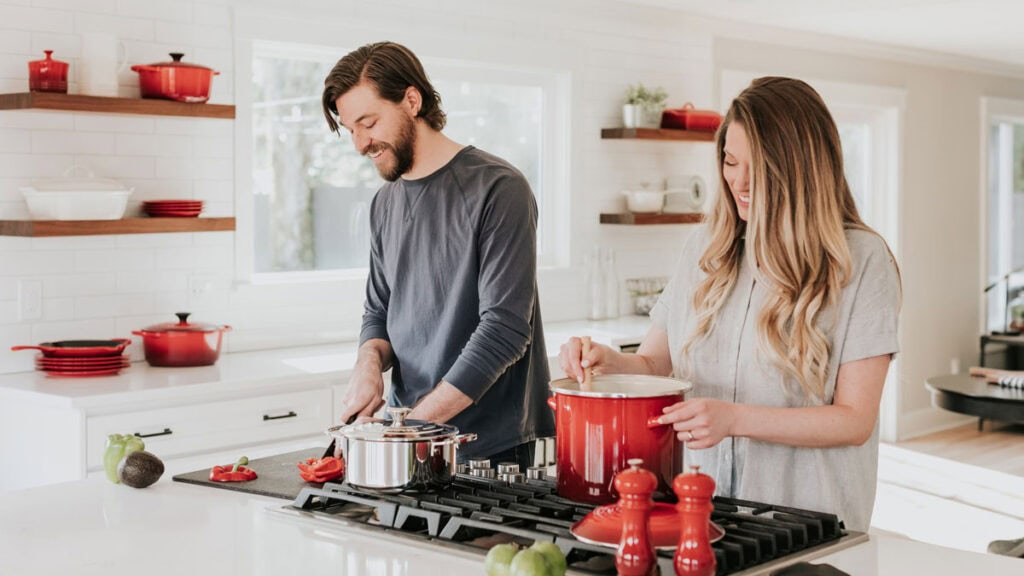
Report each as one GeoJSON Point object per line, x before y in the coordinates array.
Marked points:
{"type": "Point", "coordinates": [312, 190]}
{"type": "Point", "coordinates": [1004, 213]}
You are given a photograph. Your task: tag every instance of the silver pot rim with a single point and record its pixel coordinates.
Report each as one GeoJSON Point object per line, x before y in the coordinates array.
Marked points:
{"type": "Point", "coordinates": [623, 386]}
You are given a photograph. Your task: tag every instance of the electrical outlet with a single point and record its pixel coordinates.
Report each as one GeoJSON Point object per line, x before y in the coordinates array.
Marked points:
{"type": "Point", "coordinates": [30, 299]}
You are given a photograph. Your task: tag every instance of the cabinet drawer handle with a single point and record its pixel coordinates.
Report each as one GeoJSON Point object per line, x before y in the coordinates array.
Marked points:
{"type": "Point", "coordinates": [166, 432]}
{"type": "Point", "coordinates": [290, 414]}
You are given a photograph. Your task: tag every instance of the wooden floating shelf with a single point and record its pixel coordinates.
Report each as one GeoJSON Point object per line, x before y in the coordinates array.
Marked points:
{"type": "Point", "coordinates": [41, 228]}
{"type": "Point", "coordinates": [657, 134]}
{"type": "Point", "coordinates": [105, 104]}
{"type": "Point", "coordinates": [658, 218]}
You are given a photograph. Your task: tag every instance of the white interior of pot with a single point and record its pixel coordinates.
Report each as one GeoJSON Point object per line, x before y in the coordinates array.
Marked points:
{"type": "Point", "coordinates": [623, 386]}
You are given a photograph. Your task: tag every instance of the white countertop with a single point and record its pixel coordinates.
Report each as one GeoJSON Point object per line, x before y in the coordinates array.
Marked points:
{"type": "Point", "coordinates": [250, 370]}
{"type": "Point", "coordinates": [93, 527]}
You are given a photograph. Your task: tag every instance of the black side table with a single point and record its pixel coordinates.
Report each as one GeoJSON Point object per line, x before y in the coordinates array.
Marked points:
{"type": "Point", "coordinates": [977, 397]}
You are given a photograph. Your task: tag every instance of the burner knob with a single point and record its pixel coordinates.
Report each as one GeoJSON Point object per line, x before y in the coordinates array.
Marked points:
{"type": "Point", "coordinates": [514, 478]}
{"type": "Point", "coordinates": [461, 468]}
{"type": "Point", "coordinates": [536, 473]}
{"type": "Point", "coordinates": [479, 463]}
{"type": "Point", "coordinates": [508, 468]}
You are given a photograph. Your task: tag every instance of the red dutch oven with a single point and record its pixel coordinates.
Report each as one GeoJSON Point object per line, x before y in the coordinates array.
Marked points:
{"type": "Point", "coordinates": [599, 430]}
{"type": "Point", "coordinates": [175, 80]}
{"type": "Point", "coordinates": [182, 343]}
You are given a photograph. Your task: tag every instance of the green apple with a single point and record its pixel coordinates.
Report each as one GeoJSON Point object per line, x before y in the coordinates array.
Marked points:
{"type": "Point", "coordinates": [529, 563]}
{"type": "Point", "coordinates": [553, 555]}
{"type": "Point", "coordinates": [499, 559]}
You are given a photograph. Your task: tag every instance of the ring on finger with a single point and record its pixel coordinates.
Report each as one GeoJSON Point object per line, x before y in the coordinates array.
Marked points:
{"type": "Point", "coordinates": [689, 436]}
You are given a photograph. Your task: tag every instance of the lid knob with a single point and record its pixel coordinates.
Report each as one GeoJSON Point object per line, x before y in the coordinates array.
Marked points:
{"type": "Point", "coordinates": [182, 317]}
{"type": "Point", "coordinates": [177, 56]}
{"type": "Point", "coordinates": [398, 415]}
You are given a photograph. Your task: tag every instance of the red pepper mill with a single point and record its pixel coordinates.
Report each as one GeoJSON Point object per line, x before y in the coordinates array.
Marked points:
{"type": "Point", "coordinates": [635, 555]}
{"type": "Point", "coordinates": [694, 556]}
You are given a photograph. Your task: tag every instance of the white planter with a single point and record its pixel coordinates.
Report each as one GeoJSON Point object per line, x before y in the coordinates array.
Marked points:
{"type": "Point", "coordinates": [631, 115]}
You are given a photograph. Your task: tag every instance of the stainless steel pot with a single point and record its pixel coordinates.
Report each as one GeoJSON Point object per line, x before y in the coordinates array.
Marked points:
{"type": "Point", "coordinates": [398, 456]}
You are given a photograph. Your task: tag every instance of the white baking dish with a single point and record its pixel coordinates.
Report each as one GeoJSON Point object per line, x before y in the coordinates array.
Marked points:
{"type": "Point", "coordinates": [76, 198]}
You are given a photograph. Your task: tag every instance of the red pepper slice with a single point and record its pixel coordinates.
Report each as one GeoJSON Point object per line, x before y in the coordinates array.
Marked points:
{"type": "Point", "coordinates": [225, 474]}
{"type": "Point", "coordinates": [322, 469]}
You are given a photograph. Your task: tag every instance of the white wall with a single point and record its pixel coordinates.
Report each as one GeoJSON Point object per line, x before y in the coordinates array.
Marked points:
{"type": "Point", "coordinates": [99, 287]}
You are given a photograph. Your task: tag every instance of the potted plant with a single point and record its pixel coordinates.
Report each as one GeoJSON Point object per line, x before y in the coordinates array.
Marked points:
{"type": "Point", "coordinates": [643, 106]}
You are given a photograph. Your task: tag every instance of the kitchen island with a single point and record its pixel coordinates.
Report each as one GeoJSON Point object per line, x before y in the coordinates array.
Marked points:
{"type": "Point", "coordinates": [92, 527]}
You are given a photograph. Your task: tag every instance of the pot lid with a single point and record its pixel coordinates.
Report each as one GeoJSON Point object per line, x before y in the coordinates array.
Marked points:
{"type": "Point", "coordinates": [398, 429]}
{"type": "Point", "coordinates": [77, 179]}
{"type": "Point", "coordinates": [622, 386]}
{"type": "Point", "coordinates": [177, 63]}
{"type": "Point", "coordinates": [603, 526]}
{"type": "Point", "coordinates": [183, 325]}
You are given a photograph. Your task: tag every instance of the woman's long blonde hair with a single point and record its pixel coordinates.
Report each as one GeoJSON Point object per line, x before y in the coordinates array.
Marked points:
{"type": "Point", "coordinates": [800, 206]}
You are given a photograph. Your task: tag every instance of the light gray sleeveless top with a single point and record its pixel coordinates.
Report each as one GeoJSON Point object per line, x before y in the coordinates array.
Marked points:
{"type": "Point", "coordinates": [727, 365]}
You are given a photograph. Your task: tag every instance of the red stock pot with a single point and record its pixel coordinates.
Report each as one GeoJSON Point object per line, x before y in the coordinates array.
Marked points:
{"type": "Point", "coordinates": [182, 343]}
{"type": "Point", "coordinates": [175, 80]}
{"type": "Point", "coordinates": [600, 429]}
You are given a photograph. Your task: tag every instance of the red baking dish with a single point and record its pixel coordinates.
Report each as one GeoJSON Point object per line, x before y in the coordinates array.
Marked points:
{"type": "Point", "coordinates": [689, 118]}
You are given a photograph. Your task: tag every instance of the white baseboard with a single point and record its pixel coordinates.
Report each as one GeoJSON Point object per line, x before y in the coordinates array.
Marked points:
{"type": "Point", "coordinates": [929, 420]}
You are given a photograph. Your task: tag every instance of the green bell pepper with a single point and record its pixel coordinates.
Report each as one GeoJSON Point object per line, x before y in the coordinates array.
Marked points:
{"type": "Point", "coordinates": [119, 446]}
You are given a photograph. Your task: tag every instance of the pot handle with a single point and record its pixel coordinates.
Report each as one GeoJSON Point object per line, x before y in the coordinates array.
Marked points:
{"type": "Point", "coordinates": [16, 348]}
{"type": "Point", "coordinates": [654, 422]}
{"type": "Point", "coordinates": [147, 334]}
{"type": "Point", "coordinates": [552, 403]}
{"type": "Point", "coordinates": [457, 440]}
{"type": "Point", "coordinates": [143, 68]}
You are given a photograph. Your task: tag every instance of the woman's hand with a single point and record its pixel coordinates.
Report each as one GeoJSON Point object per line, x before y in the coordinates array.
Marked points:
{"type": "Point", "coordinates": [701, 422]}
{"type": "Point", "coordinates": [573, 362]}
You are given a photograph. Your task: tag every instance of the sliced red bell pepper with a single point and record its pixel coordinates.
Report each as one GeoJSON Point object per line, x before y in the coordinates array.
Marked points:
{"type": "Point", "coordinates": [233, 473]}
{"type": "Point", "coordinates": [321, 469]}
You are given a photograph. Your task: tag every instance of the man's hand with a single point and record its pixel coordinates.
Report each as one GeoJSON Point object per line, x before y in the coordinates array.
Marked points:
{"type": "Point", "coordinates": [365, 393]}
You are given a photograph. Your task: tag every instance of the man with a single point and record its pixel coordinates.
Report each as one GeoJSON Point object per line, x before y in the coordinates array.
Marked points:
{"type": "Point", "coordinates": [451, 298]}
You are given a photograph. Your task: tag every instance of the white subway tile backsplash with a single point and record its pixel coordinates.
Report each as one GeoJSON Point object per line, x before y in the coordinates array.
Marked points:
{"type": "Point", "coordinates": [214, 239]}
{"type": "Point", "coordinates": [9, 312]}
{"type": "Point", "coordinates": [34, 165]}
{"type": "Point", "coordinates": [156, 10]}
{"type": "Point", "coordinates": [33, 120]}
{"type": "Point", "coordinates": [72, 243]}
{"type": "Point", "coordinates": [9, 288]}
{"type": "Point", "coordinates": [214, 168]}
{"type": "Point", "coordinates": [51, 142]}
{"type": "Point", "coordinates": [36, 19]}
{"type": "Point", "coordinates": [192, 35]}
{"type": "Point", "coordinates": [34, 263]}
{"type": "Point", "coordinates": [153, 145]}
{"type": "Point", "coordinates": [217, 15]}
{"type": "Point", "coordinates": [14, 66]}
{"type": "Point", "coordinates": [165, 304]}
{"type": "Point", "coordinates": [152, 240]}
{"type": "Point", "coordinates": [79, 284]}
{"type": "Point", "coordinates": [152, 281]}
{"type": "Point", "coordinates": [64, 46]}
{"type": "Point", "coordinates": [120, 166]}
{"type": "Point", "coordinates": [113, 123]}
{"type": "Point", "coordinates": [214, 257]}
{"type": "Point", "coordinates": [221, 60]}
{"type": "Point", "coordinates": [57, 309]}
{"type": "Point", "coordinates": [213, 147]}
{"type": "Point", "coordinates": [14, 211]}
{"type": "Point", "coordinates": [105, 261]}
{"type": "Point", "coordinates": [102, 6]}
{"type": "Point", "coordinates": [173, 258]}
{"type": "Point", "coordinates": [175, 167]}
{"type": "Point", "coordinates": [214, 190]}
{"type": "Point", "coordinates": [158, 189]}
{"type": "Point", "coordinates": [16, 141]}
{"type": "Point", "coordinates": [122, 26]}
{"type": "Point", "coordinates": [93, 329]}
{"type": "Point", "coordinates": [15, 42]}
{"type": "Point", "coordinates": [210, 127]}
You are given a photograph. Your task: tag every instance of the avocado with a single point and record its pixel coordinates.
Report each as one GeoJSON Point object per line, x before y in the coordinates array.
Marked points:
{"type": "Point", "coordinates": [140, 469]}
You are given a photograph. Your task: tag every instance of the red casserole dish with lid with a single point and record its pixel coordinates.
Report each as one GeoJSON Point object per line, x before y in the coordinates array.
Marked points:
{"type": "Point", "coordinates": [175, 80]}
{"type": "Point", "coordinates": [182, 343]}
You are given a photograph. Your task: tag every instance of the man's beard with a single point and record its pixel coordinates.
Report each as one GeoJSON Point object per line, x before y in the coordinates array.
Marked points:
{"type": "Point", "coordinates": [402, 150]}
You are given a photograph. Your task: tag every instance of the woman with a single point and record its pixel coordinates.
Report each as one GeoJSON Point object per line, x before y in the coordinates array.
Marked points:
{"type": "Point", "coordinates": [783, 313]}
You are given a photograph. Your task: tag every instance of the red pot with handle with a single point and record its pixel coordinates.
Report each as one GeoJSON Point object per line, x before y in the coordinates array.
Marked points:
{"type": "Point", "coordinates": [598, 430]}
{"type": "Point", "coordinates": [182, 343]}
{"type": "Point", "coordinates": [175, 80]}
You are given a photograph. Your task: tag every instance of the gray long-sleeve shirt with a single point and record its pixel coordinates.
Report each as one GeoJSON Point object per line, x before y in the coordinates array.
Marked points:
{"type": "Point", "coordinates": [453, 287]}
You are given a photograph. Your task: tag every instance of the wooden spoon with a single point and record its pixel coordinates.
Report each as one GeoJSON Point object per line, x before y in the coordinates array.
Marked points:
{"type": "Point", "coordinates": [586, 385]}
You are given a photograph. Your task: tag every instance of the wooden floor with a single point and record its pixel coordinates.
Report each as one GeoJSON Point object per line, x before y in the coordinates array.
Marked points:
{"type": "Point", "coordinates": [999, 447]}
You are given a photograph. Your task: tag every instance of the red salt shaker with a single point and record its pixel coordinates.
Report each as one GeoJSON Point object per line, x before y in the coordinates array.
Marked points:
{"type": "Point", "coordinates": [694, 556]}
{"type": "Point", "coordinates": [635, 554]}
{"type": "Point", "coordinates": [48, 75]}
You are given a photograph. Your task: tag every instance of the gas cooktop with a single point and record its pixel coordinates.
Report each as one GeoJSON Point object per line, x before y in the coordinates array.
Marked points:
{"type": "Point", "coordinates": [476, 513]}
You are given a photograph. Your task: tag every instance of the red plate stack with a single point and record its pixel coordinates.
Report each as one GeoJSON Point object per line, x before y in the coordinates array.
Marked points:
{"type": "Point", "coordinates": [84, 366]}
{"type": "Point", "coordinates": [81, 357]}
{"type": "Point", "coordinates": [173, 208]}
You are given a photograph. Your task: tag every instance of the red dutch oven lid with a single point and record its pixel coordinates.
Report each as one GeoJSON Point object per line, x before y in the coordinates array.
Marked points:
{"type": "Point", "coordinates": [177, 63]}
{"type": "Point", "coordinates": [603, 526]}
{"type": "Point", "coordinates": [183, 325]}
{"type": "Point", "coordinates": [623, 386]}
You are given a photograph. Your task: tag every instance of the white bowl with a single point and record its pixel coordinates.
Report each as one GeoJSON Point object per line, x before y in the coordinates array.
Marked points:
{"type": "Point", "coordinates": [76, 198]}
{"type": "Point", "coordinates": [644, 201]}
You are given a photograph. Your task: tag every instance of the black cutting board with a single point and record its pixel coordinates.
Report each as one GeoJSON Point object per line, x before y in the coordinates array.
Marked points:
{"type": "Point", "coordinates": [277, 476]}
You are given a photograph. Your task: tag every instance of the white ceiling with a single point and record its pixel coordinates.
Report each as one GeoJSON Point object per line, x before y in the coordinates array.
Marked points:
{"type": "Point", "coordinates": [990, 30]}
